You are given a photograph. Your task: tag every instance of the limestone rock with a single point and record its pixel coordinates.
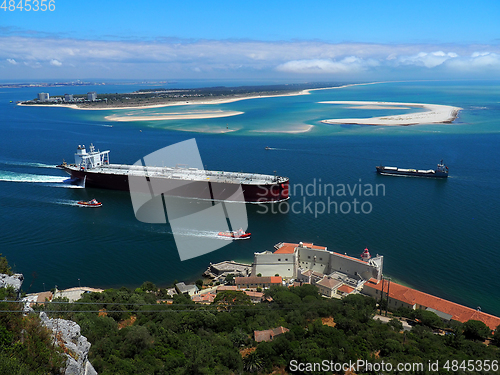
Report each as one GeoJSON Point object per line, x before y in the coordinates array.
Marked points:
{"type": "Point", "coordinates": [16, 280]}
{"type": "Point", "coordinates": [76, 347]}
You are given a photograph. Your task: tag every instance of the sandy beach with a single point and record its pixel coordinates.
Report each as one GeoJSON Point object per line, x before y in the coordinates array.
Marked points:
{"type": "Point", "coordinates": [173, 116]}
{"type": "Point", "coordinates": [432, 114]}
{"type": "Point", "coordinates": [203, 101]}
{"type": "Point", "coordinates": [171, 103]}
{"type": "Point", "coordinates": [303, 129]}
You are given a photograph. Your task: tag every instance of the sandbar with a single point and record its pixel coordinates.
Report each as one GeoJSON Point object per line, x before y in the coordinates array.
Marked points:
{"type": "Point", "coordinates": [173, 116]}
{"type": "Point", "coordinates": [304, 129]}
{"type": "Point", "coordinates": [432, 114]}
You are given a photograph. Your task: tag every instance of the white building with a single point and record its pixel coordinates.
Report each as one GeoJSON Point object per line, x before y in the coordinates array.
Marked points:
{"type": "Point", "coordinates": [43, 96]}
{"type": "Point", "coordinates": [311, 264]}
{"type": "Point", "coordinates": [68, 97]}
{"type": "Point", "coordinates": [92, 96]}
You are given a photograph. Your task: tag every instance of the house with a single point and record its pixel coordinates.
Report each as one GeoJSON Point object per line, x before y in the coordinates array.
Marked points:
{"type": "Point", "coordinates": [205, 298]}
{"type": "Point", "coordinates": [258, 282]}
{"type": "Point", "coordinates": [328, 287]}
{"type": "Point", "coordinates": [190, 289]}
{"type": "Point", "coordinates": [269, 334]}
{"type": "Point", "coordinates": [255, 297]}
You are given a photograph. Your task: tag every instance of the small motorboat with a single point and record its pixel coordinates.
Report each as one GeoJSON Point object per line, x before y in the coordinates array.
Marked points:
{"type": "Point", "coordinates": [239, 234]}
{"type": "Point", "coordinates": [90, 203]}
{"type": "Point", "coordinates": [268, 148]}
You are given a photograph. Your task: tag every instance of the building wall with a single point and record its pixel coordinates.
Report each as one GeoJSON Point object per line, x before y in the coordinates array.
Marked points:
{"type": "Point", "coordinates": [316, 260]}
{"type": "Point", "coordinates": [322, 261]}
{"type": "Point", "coordinates": [270, 264]}
{"type": "Point", "coordinates": [327, 262]}
{"type": "Point", "coordinates": [393, 303]}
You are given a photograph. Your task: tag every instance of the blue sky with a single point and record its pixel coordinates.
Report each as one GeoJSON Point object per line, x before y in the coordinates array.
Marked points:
{"type": "Point", "coordinates": [320, 40]}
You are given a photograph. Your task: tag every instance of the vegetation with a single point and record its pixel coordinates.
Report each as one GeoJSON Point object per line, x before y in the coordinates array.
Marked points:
{"type": "Point", "coordinates": [26, 346]}
{"type": "Point", "coordinates": [4, 266]}
{"type": "Point", "coordinates": [186, 338]}
{"type": "Point", "coordinates": [131, 333]}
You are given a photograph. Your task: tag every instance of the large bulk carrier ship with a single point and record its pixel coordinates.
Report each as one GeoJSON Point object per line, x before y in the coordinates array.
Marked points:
{"type": "Point", "coordinates": [93, 169]}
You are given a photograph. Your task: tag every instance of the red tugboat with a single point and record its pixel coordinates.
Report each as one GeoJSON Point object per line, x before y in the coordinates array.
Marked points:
{"type": "Point", "coordinates": [239, 234]}
{"type": "Point", "coordinates": [90, 203]}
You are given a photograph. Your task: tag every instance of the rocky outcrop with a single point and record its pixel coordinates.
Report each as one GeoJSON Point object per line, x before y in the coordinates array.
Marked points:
{"type": "Point", "coordinates": [75, 346]}
{"type": "Point", "coordinates": [15, 281]}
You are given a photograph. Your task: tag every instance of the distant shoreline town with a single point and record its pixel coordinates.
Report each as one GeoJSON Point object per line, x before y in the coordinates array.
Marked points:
{"type": "Point", "coordinates": [157, 97]}
{"type": "Point", "coordinates": [162, 97]}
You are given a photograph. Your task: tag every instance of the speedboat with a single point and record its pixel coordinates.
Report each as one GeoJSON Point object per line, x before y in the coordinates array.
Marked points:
{"type": "Point", "coordinates": [90, 203]}
{"type": "Point", "coordinates": [239, 234]}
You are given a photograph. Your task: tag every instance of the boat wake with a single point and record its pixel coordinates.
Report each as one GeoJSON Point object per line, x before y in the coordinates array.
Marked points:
{"type": "Point", "coordinates": [54, 181]}
{"type": "Point", "coordinates": [200, 233]}
{"type": "Point", "coordinates": [28, 164]}
{"type": "Point", "coordinates": [27, 177]}
{"type": "Point", "coordinates": [65, 202]}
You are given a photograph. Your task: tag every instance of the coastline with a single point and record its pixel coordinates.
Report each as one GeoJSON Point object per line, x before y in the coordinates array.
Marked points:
{"type": "Point", "coordinates": [433, 114]}
{"type": "Point", "coordinates": [203, 101]}
{"type": "Point", "coordinates": [174, 103]}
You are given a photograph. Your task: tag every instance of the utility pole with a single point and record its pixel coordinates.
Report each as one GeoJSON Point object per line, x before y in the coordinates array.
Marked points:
{"type": "Point", "coordinates": [382, 295]}
{"type": "Point", "coordinates": [388, 288]}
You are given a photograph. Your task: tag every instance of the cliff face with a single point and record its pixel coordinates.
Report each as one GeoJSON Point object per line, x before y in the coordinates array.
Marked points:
{"type": "Point", "coordinates": [76, 347]}
{"type": "Point", "coordinates": [15, 281]}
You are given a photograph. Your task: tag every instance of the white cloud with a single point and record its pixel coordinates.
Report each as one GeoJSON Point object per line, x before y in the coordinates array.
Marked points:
{"type": "Point", "coordinates": [55, 62]}
{"type": "Point", "coordinates": [427, 59]}
{"type": "Point", "coordinates": [184, 58]}
{"type": "Point", "coordinates": [477, 61]}
{"type": "Point", "coordinates": [351, 64]}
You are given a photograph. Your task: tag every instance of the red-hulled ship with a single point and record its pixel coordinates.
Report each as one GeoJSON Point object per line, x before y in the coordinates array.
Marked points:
{"type": "Point", "coordinates": [94, 170]}
{"type": "Point", "coordinates": [239, 234]}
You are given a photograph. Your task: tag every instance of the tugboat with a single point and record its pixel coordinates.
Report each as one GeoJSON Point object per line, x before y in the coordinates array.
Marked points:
{"type": "Point", "coordinates": [239, 234]}
{"type": "Point", "coordinates": [440, 172]}
{"type": "Point", "coordinates": [90, 203]}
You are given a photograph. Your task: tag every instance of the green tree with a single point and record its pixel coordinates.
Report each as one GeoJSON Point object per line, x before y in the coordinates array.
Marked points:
{"type": "Point", "coordinates": [4, 266]}
{"type": "Point", "coordinates": [476, 330]}
{"type": "Point", "coordinates": [252, 362]}
{"type": "Point", "coordinates": [496, 336]}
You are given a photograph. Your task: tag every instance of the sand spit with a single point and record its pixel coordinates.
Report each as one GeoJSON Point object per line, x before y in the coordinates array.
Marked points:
{"type": "Point", "coordinates": [433, 114]}
{"type": "Point", "coordinates": [304, 129]}
{"type": "Point", "coordinates": [173, 116]}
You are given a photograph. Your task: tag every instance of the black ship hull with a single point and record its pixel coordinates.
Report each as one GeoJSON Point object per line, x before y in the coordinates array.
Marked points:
{"type": "Point", "coordinates": [252, 193]}
{"type": "Point", "coordinates": [411, 173]}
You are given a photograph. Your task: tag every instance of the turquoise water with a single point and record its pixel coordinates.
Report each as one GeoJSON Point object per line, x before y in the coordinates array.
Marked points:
{"type": "Point", "coordinates": [438, 236]}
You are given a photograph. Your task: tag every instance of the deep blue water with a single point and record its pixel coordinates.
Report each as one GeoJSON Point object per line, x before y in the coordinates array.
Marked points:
{"type": "Point", "coordinates": [438, 236]}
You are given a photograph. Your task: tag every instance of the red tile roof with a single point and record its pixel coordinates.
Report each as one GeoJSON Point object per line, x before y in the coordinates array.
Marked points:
{"type": "Point", "coordinates": [276, 280]}
{"type": "Point", "coordinates": [254, 294]}
{"type": "Point", "coordinates": [415, 297]}
{"type": "Point", "coordinates": [205, 297]}
{"type": "Point", "coordinates": [258, 280]}
{"type": "Point", "coordinates": [269, 334]}
{"type": "Point", "coordinates": [345, 289]}
{"type": "Point", "coordinates": [286, 248]}
{"type": "Point", "coordinates": [289, 248]}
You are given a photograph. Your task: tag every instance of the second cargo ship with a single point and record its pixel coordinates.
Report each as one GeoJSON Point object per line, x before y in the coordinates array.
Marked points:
{"type": "Point", "coordinates": [93, 169]}
{"type": "Point", "coordinates": [440, 172]}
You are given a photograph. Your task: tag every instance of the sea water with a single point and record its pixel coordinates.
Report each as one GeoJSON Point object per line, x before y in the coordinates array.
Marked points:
{"type": "Point", "coordinates": [439, 236]}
